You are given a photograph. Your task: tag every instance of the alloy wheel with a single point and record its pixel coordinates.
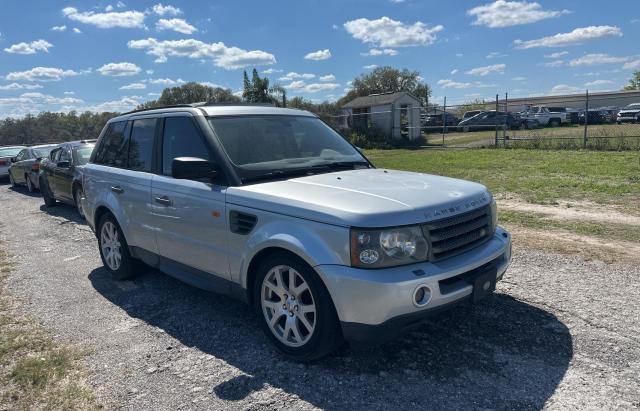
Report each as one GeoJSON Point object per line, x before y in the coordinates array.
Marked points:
{"type": "Point", "coordinates": [110, 245]}
{"type": "Point", "coordinates": [288, 306]}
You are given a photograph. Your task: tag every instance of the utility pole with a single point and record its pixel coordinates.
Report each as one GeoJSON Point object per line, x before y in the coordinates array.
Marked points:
{"type": "Point", "coordinates": [444, 119]}
{"type": "Point", "coordinates": [586, 120]}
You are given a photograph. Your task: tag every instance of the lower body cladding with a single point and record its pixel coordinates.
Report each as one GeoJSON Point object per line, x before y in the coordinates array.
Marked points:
{"type": "Point", "coordinates": [376, 305]}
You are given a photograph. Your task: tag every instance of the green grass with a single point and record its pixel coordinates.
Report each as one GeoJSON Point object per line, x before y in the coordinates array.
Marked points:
{"type": "Point", "coordinates": [607, 231]}
{"type": "Point", "coordinates": [36, 372]}
{"type": "Point", "coordinates": [538, 176]}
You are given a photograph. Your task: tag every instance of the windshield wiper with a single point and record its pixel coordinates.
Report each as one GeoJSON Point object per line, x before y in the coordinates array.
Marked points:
{"type": "Point", "coordinates": [341, 165]}
{"type": "Point", "coordinates": [276, 174]}
{"type": "Point", "coordinates": [314, 169]}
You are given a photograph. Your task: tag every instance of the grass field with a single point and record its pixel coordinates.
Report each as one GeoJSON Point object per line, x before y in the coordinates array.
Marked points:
{"type": "Point", "coordinates": [538, 176]}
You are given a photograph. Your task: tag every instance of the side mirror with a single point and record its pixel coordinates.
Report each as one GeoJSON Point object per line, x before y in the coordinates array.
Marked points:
{"type": "Point", "coordinates": [193, 168]}
{"type": "Point", "coordinates": [63, 164]}
{"type": "Point", "coordinates": [14, 159]}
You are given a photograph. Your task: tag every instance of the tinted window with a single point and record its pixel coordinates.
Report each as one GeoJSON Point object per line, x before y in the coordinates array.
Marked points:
{"type": "Point", "coordinates": [113, 146]}
{"type": "Point", "coordinates": [64, 155]}
{"type": "Point", "coordinates": [141, 144]}
{"type": "Point", "coordinates": [22, 155]}
{"type": "Point", "coordinates": [181, 139]}
{"type": "Point", "coordinates": [42, 151]}
{"type": "Point", "coordinates": [54, 153]}
{"type": "Point", "coordinates": [83, 154]}
{"type": "Point", "coordinates": [9, 152]}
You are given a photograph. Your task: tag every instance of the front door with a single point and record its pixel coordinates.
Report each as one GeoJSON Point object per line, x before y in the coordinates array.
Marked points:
{"type": "Point", "coordinates": [189, 215]}
{"type": "Point", "coordinates": [63, 176]}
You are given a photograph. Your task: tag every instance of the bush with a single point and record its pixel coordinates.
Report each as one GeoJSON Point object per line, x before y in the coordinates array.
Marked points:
{"type": "Point", "coordinates": [377, 140]}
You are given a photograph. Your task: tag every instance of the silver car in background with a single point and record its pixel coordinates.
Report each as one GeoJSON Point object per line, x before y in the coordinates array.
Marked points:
{"type": "Point", "coordinates": [6, 154]}
{"type": "Point", "coordinates": [25, 166]}
{"type": "Point", "coordinates": [273, 207]}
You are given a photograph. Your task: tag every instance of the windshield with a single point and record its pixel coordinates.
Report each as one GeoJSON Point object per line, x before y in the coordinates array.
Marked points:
{"type": "Point", "coordinates": [262, 144]}
{"type": "Point", "coordinates": [10, 152]}
{"type": "Point", "coordinates": [82, 155]}
{"type": "Point", "coordinates": [634, 106]}
{"type": "Point", "coordinates": [43, 151]}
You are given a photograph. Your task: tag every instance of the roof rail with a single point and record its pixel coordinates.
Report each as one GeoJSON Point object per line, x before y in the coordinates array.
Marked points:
{"type": "Point", "coordinates": [161, 107]}
{"type": "Point", "coordinates": [201, 104]}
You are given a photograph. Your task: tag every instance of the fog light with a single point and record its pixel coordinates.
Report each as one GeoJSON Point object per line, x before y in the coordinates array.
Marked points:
{"type": "Point", "coordinates": [421, 296]}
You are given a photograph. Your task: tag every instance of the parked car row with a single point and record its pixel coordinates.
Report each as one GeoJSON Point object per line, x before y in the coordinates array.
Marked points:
{"type": "Point", "coordinates": [273, 207]}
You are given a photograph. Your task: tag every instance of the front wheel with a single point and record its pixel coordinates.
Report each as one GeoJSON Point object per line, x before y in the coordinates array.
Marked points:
{"type": "Point", "coordinates": [294, 309]}
{"type": "Point", "coordinates": [30, 187]}
{"type": "Point", "coordinates": [48, 198]}
{"type": "Point", "coordinates": [77, 198]}
{"type": "Point", "coordinates": [12, 181]}
{"type": "Point", "coordinates": [114, 250]}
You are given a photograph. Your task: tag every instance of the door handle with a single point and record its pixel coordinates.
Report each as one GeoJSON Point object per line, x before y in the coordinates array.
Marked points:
{"type": "Point", "coordinates": [117, 189]}
{"type": "Point", "coordinates": [164, 200]}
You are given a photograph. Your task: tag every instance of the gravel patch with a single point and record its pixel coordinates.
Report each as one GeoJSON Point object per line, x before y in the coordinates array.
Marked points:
{"type": "Point", "coordinates": [559, 333]}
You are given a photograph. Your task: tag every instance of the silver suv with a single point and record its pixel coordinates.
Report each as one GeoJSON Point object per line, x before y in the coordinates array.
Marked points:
{"type": "Point", "coordinates": [275, 208]}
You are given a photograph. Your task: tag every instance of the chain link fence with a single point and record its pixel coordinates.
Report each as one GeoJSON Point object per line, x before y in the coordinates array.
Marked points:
{"type": "Point", "coordinates": [603, 121]}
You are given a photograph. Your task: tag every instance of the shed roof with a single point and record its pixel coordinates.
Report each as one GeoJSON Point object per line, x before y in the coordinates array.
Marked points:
{"type": "Point", "coordinates": [378, 99]}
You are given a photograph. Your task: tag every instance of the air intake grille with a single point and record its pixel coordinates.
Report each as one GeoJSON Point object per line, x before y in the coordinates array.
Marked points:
{"type": "Point", "coordinates": [455, 235]}
{"type": "Point", "coordinates": [241, 223]}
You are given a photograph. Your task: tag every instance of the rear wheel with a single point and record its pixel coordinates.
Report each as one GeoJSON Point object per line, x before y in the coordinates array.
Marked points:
{"type": "Point", "coordinates": [48, 198]}
{"type": "Point", "coordinates": [554, 122]}
{"type": "Point", "coordinates": [77, 198]}
{"type": "Point", "coordinates": [11, 180]}
{"type": "Point", "coordinates": [114, 250]}
{"type": "Point", "coordinates": [295, 309]}
{"type": "Point", "coordinates": [30, 187]}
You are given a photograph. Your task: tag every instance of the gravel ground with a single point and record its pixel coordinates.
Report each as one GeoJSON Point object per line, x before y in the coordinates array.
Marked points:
{"type": "Point", "coordinates": [559, 333]}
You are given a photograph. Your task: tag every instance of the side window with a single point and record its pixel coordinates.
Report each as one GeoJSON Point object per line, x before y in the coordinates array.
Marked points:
{"type": "Point", "coordinates": [141, 144]}
{"type": "Point", "coordinates": [53, 154]}
{"type": "Point", "coordinates": [64, 155]}
{"type": "Point", "coordinates": [181, 139]}
{"type": "Point", "coordinates": [22, 155]}
{"type": "Point", "coordinates": [114, 146]}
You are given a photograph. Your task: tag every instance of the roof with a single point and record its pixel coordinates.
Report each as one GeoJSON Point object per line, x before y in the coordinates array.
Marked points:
{"type": "Point", "coordinates": [578, 96]}
{"type": "Point", "coordinates": [378, 99]}
{"type": "Point", "coordinates": [78, 143]}
{"type": "Point", "coordinates": [218, 110]}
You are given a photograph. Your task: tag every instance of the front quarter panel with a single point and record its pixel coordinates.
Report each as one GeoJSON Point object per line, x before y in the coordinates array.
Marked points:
{"type": "Point", "coordinates": [316, 243]}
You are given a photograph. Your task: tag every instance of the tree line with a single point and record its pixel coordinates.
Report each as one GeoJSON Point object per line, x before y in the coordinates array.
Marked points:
{"type": "Point", "coordinates": [47, 127]}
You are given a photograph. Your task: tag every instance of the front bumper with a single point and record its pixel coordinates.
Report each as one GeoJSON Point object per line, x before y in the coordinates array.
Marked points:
{"type": "Point", "coordinates": [379, 304]}
{"type": "Point", "coordinates": [627, 119]}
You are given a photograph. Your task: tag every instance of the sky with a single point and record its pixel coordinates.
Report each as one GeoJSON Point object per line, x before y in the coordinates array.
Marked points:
{"type": "Point", "coordinates": [111, 56]}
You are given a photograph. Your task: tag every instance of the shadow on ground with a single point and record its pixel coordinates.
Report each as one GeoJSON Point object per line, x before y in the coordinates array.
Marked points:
{"type": "Point", "coordinates": [502, 353]}
{"type": "Point", "coordinates": [65, 211]}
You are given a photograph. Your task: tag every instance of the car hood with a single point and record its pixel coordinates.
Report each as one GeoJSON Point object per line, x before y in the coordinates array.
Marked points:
{"type": "Point", "coordinates": [364, 198]}
{"type": "Point", "coordinates": [629, 110]}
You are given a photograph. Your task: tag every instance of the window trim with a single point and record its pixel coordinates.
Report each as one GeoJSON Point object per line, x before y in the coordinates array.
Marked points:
{"type": "Point", "coordinates": [130, 123]}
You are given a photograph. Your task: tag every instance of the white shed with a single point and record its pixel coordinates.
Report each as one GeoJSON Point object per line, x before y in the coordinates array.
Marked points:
{"type": "Point", "coordinates": [395, 114]}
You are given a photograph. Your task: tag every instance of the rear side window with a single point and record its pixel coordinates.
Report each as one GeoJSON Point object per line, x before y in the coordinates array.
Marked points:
{"type": "Point", "coordinates": [181, 139]}
{"type": "Point", "coordinates": [141, 144]}
{"type": "Point", "coordinates": [114, 146]}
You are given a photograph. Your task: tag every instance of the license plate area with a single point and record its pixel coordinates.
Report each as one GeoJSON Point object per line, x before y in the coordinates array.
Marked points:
{"type": "Point", "coordinates": [484, 284]}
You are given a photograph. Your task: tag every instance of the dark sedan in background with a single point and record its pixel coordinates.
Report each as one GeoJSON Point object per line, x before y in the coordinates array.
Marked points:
{"type": "Point", "coordinates": [25, 166]}
{"type": "Point", "coordinates": [6, 154]}
{"type": "Point", "coordinates": [61, 173]}
{"type": "Point", "coordinates": [488, 120]}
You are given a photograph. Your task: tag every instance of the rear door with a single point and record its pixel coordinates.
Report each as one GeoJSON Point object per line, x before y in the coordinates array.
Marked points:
{"type": "Point", "coordinates": [189, 215]}
{"type": "Point", "coordinates": [63, 175]}
{"type": "Point", "coordinates": [47, 167]}
{"type": "Point", "coordinates": [18, 167]}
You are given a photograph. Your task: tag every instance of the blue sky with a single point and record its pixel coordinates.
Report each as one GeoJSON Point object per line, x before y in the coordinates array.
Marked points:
{"type": "Point", "coordinates": [106, 55]}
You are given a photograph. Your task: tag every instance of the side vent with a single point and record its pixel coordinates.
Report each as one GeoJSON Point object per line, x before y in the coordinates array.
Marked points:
{"type": "Point", "coordinates": [241, 223]}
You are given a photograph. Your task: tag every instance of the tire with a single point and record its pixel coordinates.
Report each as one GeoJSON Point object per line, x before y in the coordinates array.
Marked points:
{"type": "Point", "coordinates": [30, 187]}
{"type": "Point", "coordinates": [12, 181]}
{"type": "Point", "coordinates": [554, 123]}
{"type": "Point", "coordinates": [302, 334]}
{"type": "Point", "coordinates": [118, 262]}
{"type": "Point", "coordinates": [48, 198]}
{"type": "Point", "coordinates": [77, 200]}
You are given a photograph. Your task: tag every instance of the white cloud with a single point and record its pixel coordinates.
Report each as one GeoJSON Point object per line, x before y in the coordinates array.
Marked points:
{"type": "Point", "coordinates": [381, 52]}
{"type": "Point", "coordinates": [120, 5]}
{"type": "Point", "coordinates": [300, 85]}
{"type": "Point", "coordinates": [149, 71]}
{"type": "Point", "coordinates": [154, 94]}
{"type": "Point", "coordinates": [596, 58]}
{"type": "Point", "coordinates": [295, 85]}
{"type": "Point", "coordinates": [271, 71]}
{"type": "Point", "coordinates": [179, 25]}
{"type": "Point", "coordinates": [385, 32]}
{"type": "Point", "coordinates": [77, 30]}
{"type": "Point", "coordinates": [117, 106]}
{"type": "Point", "coordinates": [108, 8]}
{"type": "Point", "coordinates": [161, 10]}
{"type": "Point", "coordinates": [69, 93]}
{"type": "Point", "coordinates": [119, 69]}
{"type": "Point", "coordinates": [20, 86]}
{"type": "Point", "coordinates": [554, 63]}
{"type": "Point", "coordinates": [459, 55]}
{"type": "Point", "coordinates": [30, 48]}
{"type": "Point", "coordinates": [35, 100]}
{"type": "Point", "coordinates": [166, 81]}
{"type": "Point", "coordinates": [633, 21]}
{"type": "Point", "coordinates": [41, 74]}
{"type": "Point", "coordinates": [319, 55]}
{"type": "Point", "coordinates": [564, 89]}
{"type": "Point", "coordinates": [575, 37]}
{"type": "Point", "coordinates": [328, 77]}
{"type": "Point", "coordinates": [503, 13]}
{"type": "Point", "coordinates": [486, 70]}
{"type": "Point", "coordinates": [556, 55]}
{"type": "Point", "coordinates": [212, 85]}
{"type": "Point", "coordinates": [448, 83]}
{"type": "Point", "coordinates": [59, 28]}
{"type": "Point", "coordinates": [632, 65]}
{"type": "Point", "coordinates": [454, 71]}
{"type": "Point", "coordinates": [370, 67]}
{"type": "Point", "coordinates": [519, 78]}
{"type": "Point", "coordinates": [293, 76]}
{"type": "Point", "coordinates": [126, 19]}
{"type": "Point", "coordinates": [598, 83]}
{"type": "Point", "coordinates": [495, 55]}
{"type": "Point", "coordinates": [134, 86]}
{"type": "Point", "coordinates": [228, 58]}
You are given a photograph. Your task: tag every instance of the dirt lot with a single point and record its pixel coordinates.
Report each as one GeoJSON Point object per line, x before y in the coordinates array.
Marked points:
{"type": "Point", "coordinates": [562, 332]}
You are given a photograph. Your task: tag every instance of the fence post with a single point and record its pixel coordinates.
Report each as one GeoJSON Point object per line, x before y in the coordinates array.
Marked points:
{"type": "Point", "coordinates": [586, 120]}
{"type": "Point", "coordinates": [444, 119]}
{"type": "Point", "coordinates": [496, 121]}
{"type": "Point", "coordinates": [506, 122]}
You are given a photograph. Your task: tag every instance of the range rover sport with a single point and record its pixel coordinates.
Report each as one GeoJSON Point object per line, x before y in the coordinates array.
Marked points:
{"type": "Point", "coordinates": [273, 207]}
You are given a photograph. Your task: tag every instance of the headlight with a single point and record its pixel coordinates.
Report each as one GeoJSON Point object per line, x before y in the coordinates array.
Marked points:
{"type": "Point", "coordinates": [494, 215]}
{"type": "Point", "coordinates": [388, 247]}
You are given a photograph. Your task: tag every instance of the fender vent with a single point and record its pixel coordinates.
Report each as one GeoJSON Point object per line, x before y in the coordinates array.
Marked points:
{"type": "Point", "coordinates": [241, 223]}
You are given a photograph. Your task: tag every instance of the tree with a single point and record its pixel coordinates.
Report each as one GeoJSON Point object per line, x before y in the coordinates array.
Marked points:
{"type": "Point", "coordinates": [634, 83]}
{"type": "Point", "coordinates": [256, 90]}
{"type": "Point", "coordinates": [191, 93]}
{"type": "Point", "coordinates": [476, 104]}
{"type": "Point", "coordinates": [388, 80]}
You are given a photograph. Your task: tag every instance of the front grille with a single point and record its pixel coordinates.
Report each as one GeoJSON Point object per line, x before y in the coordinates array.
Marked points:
{"type": "Point", "coordinates": [628, 114]}
{"type": "Point", "coordinates": [457, 234]}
